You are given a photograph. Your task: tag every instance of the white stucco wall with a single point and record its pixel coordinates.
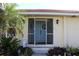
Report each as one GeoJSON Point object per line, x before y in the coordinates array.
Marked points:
{"type": "Point", "coordinates": [59, 32]}
{"type": "Point", "coordinates": [72, 31]}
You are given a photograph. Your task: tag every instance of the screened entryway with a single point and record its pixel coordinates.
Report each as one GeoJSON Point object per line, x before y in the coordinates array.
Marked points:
{"type": "Point", "coordinates": [40, 31]}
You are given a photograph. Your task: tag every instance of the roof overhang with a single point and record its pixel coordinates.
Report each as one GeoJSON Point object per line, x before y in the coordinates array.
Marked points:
{"type": "Point", "coordinates": [50, 12]}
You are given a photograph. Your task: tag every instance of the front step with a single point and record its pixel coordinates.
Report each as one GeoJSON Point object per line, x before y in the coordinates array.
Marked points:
{"type": "Point", "coordinates": [40, 50]}
{"type": "Point", "coordinates": [38, 54]}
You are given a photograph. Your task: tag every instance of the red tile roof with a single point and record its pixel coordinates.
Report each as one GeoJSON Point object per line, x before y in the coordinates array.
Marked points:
{"type": "Point", "coordinates": [48, 10]}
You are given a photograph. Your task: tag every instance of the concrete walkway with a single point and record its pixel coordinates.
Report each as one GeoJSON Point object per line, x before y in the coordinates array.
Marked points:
{"type": "Point", "coordinates": [39, 54]}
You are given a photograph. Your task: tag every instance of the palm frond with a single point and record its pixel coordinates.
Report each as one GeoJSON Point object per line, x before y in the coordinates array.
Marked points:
{"type": "Point", "coordinates": [12, 18]}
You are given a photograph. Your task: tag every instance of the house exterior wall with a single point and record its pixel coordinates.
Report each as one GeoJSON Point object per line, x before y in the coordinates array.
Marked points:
{"type": "Point", "coordinates": [59, 32]}
{"type": "Point", "coordinates": [71, 31]}
{"type": "Point", "coordinates": [65, 33]}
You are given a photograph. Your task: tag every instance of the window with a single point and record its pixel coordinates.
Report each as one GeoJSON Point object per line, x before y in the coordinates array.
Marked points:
{"type": "Point", "coordinates": [31, 39]}
{"type": "Point", "coordinates": [49, 39]}
{"type": "Point", "coordinates": [49, 31]}
{"type": "Point", "coordinates": [31, 25]}
{"type": "Point", "coordinates": [49, 26]}
{"type": "Point", "coordinates": [31, 31]}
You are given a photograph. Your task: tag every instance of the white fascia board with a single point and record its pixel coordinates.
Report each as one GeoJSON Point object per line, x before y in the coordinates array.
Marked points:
{"type": "Point", "coordinates": [50, 13]}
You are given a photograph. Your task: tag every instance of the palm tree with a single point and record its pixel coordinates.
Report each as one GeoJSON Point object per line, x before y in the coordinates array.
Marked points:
{"type": "Point", "coordinates": [11, 18]}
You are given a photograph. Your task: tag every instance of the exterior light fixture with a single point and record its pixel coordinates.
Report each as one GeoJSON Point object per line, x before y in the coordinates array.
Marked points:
{"type": "Point", "coordinates": [57, 21]}
{"type": "Point", "coordinates": [73, 15]}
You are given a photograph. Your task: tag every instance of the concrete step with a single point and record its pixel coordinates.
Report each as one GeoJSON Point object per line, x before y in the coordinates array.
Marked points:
{"type": "Point", "coordinates": [40, 50]}
{"type": "Point", "coordinates": [39, 54]}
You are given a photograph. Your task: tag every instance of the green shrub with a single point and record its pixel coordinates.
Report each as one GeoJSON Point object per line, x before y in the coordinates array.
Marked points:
{"type": "Point", "coordinates": [56, 51]}
{"type": "Point", "coordinates": [9, 45]}
{"type": "Point", "coordinates": [29, 51]}
{"type": "Point", "coordinates": [26, 51]}
{"type": "Point", "coordinates": [73, 51]}
{"type": "Point", "coordinates": [50, 52]}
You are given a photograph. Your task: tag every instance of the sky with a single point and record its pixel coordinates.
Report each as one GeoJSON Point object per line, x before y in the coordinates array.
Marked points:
{"type": "Point", "coordinates": [48, 4]}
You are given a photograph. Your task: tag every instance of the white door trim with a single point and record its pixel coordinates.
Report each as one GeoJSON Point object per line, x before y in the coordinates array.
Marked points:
{"type": "Point", "coordinates": [40, 19]}
{"type": "Point", "coordinates": [42, 45]}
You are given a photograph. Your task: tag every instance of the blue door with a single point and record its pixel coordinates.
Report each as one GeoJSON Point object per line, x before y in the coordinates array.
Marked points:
{"type": "Point", "coordinates": [40, 32]}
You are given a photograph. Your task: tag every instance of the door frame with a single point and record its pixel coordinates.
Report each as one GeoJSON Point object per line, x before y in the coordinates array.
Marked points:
{"type": "Point", "coordinates": [42, 45]}
{"type": "Point", "coordinates": [40, 19]}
